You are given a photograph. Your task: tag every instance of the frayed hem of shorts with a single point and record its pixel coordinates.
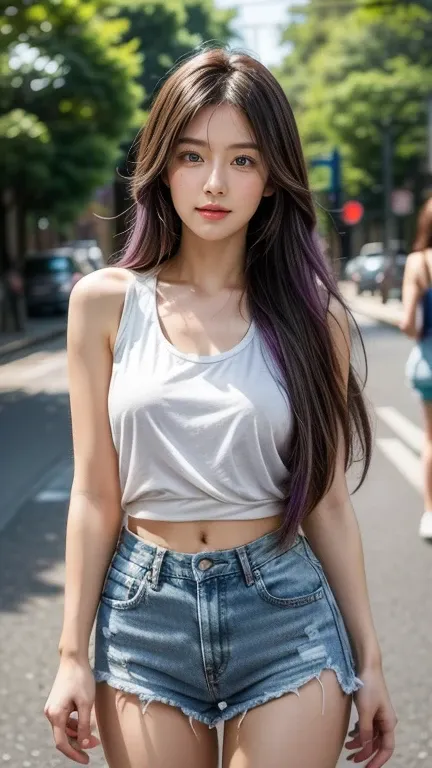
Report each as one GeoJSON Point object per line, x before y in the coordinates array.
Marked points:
{"type": "Point", "coordinates": [120, 685]}
{"type": "Point", "coordinates": [348, 688]}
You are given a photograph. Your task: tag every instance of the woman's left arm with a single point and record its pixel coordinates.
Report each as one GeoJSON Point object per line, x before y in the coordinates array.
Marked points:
{"type": "Point", "coordinates": [333, 533]}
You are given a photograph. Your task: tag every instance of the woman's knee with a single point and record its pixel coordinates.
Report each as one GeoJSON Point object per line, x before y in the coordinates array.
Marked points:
{"type": "Point", "coordinates": [151, 735]}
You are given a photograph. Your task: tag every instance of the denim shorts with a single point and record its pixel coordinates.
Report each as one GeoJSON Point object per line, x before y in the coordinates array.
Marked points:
{"type": "Point", "coordinates": [218, 632]}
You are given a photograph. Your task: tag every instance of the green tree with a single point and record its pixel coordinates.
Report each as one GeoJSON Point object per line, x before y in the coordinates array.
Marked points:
{"type": "Point", "coordinates": [370, 68]}
{"type": "Point", "coordinates": [168, 30]}
{"type": "Point", "coordinates": [71, 96]}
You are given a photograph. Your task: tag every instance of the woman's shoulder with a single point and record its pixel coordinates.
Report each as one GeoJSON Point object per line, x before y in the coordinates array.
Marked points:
{"type": "Point", "coordinates": [418, 267]}
{"type": "Point", "coordinates": [107, 282]}
{"type": "Point", "coordinates": [416, 259]}
{"type": "Point", "coordinates": [98, 297]}
{"type": "Point", "coordinates": [103, 286]}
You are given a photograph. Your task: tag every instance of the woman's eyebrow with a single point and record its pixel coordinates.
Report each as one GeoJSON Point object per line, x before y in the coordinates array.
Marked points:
{"type": "Point", "coordinates": [201, 143]}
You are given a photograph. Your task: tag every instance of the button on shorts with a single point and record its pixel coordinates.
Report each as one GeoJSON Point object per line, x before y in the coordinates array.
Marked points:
{"type": "Point", "coordinates": [218, 632]}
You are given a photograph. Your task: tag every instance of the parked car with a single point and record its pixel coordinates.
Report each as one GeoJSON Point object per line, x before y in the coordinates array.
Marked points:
{"type": "Point", "coordinates": [49, 277]}
{"type": "Point", "coordinates": [351, 266]}
{"type": "Point", "coordinates": [368, 250]}
{"type": "Point", "coordinates": [377, 272]}
{"type": "Point", "coordinates": [88, 254]}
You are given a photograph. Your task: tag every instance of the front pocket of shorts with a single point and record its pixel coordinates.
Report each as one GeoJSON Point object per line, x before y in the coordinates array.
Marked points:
{"type": "Point", "coordinates": [125, 583]}
{"type": "Point", "coordinates": [288, 581]}
{"type": "Point", "coordinates": [286, 602]}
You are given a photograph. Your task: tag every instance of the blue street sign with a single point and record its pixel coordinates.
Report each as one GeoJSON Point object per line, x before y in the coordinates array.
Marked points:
{"type": "Point", "coordinates": [334, 163]}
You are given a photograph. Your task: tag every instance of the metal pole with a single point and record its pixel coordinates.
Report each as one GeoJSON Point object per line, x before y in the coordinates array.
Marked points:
{"type": "Point", "coordinates": [387, 129]}
{"type": "Point", "coordinates": [387, 183]}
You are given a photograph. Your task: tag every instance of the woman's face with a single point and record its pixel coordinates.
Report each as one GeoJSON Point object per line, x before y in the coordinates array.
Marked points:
{"type": "Point", "coordinates": [216, 161]}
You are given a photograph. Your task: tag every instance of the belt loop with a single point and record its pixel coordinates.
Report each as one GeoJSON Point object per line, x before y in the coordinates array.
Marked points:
{"type": "Point", "coordinates": [156, 566]}
{"type": "Point", "coordinates": [245, 564]}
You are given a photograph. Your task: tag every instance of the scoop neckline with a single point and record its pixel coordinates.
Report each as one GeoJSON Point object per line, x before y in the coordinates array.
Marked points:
{"type": "Point", "coordinates": [192, 356]}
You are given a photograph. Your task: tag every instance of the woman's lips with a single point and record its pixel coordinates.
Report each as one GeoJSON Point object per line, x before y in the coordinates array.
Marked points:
{"type": "Point", "coordinates": [206, 213]}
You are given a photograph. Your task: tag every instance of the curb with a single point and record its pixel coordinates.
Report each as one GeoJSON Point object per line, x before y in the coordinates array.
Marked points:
{"type": "Point", "coordinates": [364, 306]}
{"type": "Point", "coordinates": [30, 341]}
{"type": "Point", "coordinates": [391, 321]}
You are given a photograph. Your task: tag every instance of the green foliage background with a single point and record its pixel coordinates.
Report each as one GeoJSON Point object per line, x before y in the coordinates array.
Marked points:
{"type": "Point", "coordinates": [351, 72]}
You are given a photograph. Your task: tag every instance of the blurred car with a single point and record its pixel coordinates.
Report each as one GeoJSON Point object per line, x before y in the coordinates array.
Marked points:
{"type": "Point", "coordinates": [350, 267]}
{"type": "Point", "coordinates": [378, 272]}
{"type": "Point", "coordinates": [88, 254]}
{"type": "Point", "coordinates": [49, 277]}
{"type": "Point", "coordinates": [366, 251]}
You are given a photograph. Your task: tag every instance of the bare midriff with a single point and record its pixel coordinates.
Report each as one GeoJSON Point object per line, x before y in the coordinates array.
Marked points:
{"type": "Point", "coordinates": [193, 537]}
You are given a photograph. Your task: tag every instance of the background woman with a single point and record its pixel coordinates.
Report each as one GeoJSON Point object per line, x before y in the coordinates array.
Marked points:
{"type": "Point", "coordinates": [417, 292]}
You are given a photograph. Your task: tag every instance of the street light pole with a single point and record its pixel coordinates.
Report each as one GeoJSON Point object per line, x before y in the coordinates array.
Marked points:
{"type": "Point", "coordinates": [387, 147]}
{"type": "Point", "coordinates": [387, 155]}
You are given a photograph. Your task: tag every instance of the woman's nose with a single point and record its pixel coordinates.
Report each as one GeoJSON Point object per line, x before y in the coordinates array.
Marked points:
{"type": "Point", "coordinates": [216, 183]}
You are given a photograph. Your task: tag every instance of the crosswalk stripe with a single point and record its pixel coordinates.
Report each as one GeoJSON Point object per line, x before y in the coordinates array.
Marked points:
{"type": "Point", "coordinates": [410, 433]}
{"type": "Point", "coordinates": [408, 464]}
{"type": "Point", "coordinates": [52, 495]}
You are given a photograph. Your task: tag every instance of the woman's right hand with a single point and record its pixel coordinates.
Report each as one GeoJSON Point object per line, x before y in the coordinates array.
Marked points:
{"type": "Point", "coordinates": [73, 691]}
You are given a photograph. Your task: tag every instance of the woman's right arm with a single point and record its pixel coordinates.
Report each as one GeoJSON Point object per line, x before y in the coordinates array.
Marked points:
{"type": "Point", "coordinates": [95, 515]}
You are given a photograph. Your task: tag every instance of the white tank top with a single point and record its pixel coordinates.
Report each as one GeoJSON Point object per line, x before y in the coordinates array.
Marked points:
{"type": "Point", "coordinates": [198, 437]}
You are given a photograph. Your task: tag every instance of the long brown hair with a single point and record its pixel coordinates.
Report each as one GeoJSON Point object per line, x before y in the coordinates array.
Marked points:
{"type": "Point", "coordinates": [423, 238]}
{"type": "Point", "coordinates": [286, 274]}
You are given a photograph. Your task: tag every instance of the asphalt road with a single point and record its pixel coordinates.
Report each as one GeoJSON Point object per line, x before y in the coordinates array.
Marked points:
{"type": "Point", "coordinates": [35, 477]}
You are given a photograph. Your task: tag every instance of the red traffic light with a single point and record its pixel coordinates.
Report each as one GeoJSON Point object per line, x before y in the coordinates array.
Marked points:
{"type": "Point", "coordinates": [352, 212]}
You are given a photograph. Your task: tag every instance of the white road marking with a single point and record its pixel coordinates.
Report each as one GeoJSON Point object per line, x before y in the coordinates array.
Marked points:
{"type": "Point", "coordinates": [60, 473]}
{"type": "Point", "coordinates": [58, 489]}
{"type": "Point", "coordinates": [410, 433]}
{"type": "Point", "coordinates": [50, 495]}
{"type": "Point", "coordinates": [408, 464]}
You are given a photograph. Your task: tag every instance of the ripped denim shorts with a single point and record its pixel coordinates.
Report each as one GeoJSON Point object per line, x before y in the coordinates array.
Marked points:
{"type": "Point", "coordinates": [217, 633]}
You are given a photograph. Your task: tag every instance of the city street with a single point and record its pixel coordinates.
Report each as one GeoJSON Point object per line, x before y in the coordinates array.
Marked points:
{"type": "Point", "coordinates": [35, 476]}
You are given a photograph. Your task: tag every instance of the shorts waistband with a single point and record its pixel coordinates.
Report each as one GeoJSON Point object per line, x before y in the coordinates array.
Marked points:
{"type": "Point", "coordinates": [202, 565]}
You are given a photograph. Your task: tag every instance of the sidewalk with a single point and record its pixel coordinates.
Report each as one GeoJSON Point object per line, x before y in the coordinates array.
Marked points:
{"type": "Point", "coordinates": [371, 306]}
{"type": "Point", "coordinates": [36, 332]}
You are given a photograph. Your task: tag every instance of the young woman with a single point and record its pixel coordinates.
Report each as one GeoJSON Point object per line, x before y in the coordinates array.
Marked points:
{"type": "Point", "coordinates": [214, 409]}
{"type": "Point", "coordinates": [417, 291]}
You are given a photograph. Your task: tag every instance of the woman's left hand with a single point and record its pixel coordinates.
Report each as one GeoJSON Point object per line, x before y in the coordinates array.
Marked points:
{"type": "Point", "coordinates": [373, 735]}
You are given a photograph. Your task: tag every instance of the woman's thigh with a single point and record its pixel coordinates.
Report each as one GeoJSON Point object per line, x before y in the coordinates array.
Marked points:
{"type": "Point", "coordinates": [292, 731]}
{"type": "Point", "coordinates": [160, 737]}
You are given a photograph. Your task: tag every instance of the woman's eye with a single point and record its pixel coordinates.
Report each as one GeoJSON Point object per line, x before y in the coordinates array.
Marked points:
{"type": "Point", "coordinates": [192, 157]}
{"type": "Point", "coordinates": [244, 160]}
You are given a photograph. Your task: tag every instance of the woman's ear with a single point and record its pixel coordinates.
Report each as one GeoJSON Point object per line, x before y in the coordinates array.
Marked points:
{"type": "Point", "coordinates": [269, 190]}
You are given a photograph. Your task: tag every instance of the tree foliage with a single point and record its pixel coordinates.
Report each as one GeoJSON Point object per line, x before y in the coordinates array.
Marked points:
{"type": "Point", "coordinates": [71, 95]}
{"type": "Point", "coordinates": [168, 30]}
{"type": "Point", "coordinates": [352, 76]}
